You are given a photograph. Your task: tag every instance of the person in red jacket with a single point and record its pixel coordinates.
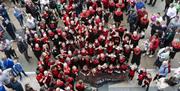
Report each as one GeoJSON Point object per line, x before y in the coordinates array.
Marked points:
{"type": "Point", "coordinates": [112, 6]}
{"type": "Point", "coordinates": [147, 81]}
{"type": "Point", "coordinates": [124, 68]}
{"type": "Point", "coordinates": [39, 78]}
{"type": "Point", "coordinates": [127, 52]}
{"type": "Point", "coordinates": [141, 13]}
{"type": "Point", "coordinates": [120, 4]}
{"type": "Point", "coordinates": [135, 37]}
{"type": "Point", "coordinates": [132, 71]}
{"type": "Point", "coordinates": [37, 50]}
{"type": "Point", "coordinates": [175, 48]}
{"type": "Point", "coordinates": [59, 83]}
{"type": "Point", "coordinates": [74, 71]}
{"type": "Point", "coordinates": [55, 72]}
{"type": "Point", "coordinates": [105, 4]}
{"type": "Point", "coordinates": [141, 76]}
{"type": "Point", "coordinates": [47, 78]}
{"type": "Point", "coordinates": [80, 86]}
{"type": "Point", "coordinates": [118, 17]}
{"type": "Point", "coordinates": [154, 44]}
{"type": "Point", "coordinates": [136, 56]}
{"type": "Point", "coordinates": [143, 24]}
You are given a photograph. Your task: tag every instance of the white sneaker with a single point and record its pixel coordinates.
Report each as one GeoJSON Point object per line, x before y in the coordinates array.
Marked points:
{"type": "Point", "coordinates": [147, 53]}
{"type": "Point", "coordinates": [144, 54]}
{"type": "Point", "coordinates": [151, 56]}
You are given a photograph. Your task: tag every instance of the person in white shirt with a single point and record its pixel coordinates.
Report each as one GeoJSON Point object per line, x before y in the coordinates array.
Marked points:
{"type": "Point", "coordinates": [5, 77]}
{"type": "Point", "coordinates": [30, 23]}
{"type": "Point", "coordinates": [175, 24]}
{"type": "Point", "coordinates": [162, 55]}
{"type": "Point", "coordinates": [171, 13]}
{"type": "Point", "coordinates": [43, 3]}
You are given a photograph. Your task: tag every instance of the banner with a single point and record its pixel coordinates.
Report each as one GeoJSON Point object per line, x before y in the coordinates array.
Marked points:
{"type": "Point", "coordinates": [102, 78]}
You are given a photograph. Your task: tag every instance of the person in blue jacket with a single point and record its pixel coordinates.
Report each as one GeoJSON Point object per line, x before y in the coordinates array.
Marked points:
{"type": "Point", "coordinates": [19, 15]}
{"type": "Point", "coordinates": [3, 12]}
{"type": "Point", "coordinates": [139, 5]}
{"type": "Point", "coordinates": [2, 88]}
{"type": "Point", "coordinates": [17, 69]}
{"type": "Point", "coordinates": [7, 62]}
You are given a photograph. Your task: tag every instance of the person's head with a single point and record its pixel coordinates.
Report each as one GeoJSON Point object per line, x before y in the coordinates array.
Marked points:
{"type": "Point", "coordinates": [37, 45]}
{"type": "Point", "coordinates": [20, 38]}
{"type": "Point", "coordinates": [158, 23]}
{"type": "Point", "coordinates": [58, 89]}
{"type": "Point", "coordinates": [29, 16]}
{"type": "Point", "coordinates": [45, 73]}
{"type": "Point", "coordinates": [135, 33]}
{"type": "Point", "coordinates": [80, 82]}
{"type": "Point", "coordinates": [74, 67]}
{"type": "Point", "coordinates": [145, 16]}
{"type": "Point", "coordinates": [143, 9]}
{"type": "Point", "coordinates": [167, 48]}
{"type": "Point", "coordinates": [99, 67]}
{"type": "Point", "coordinates": [46, 8]}
{"type": "Point", "coordinates": [29, 88]}
{"type": "Point", "coordinates": [158, 14]}
{"type": "Point", "coordinates": [13, 79]}
{"type": "Point", "coordinates": [155, 35]}
{"type": "Point", "coordinates": [177, 18]}
{"type": "Point", "coordinates": [15, 60]}
{"type": "Point", "coordinates": [171, 5]}
{"type": "Point", "coordinates": [1, 18]}
{"type": "Point", "coordinates": [4, 58]}
{"type": "Point", "coordinates": [94, 70]}
{"type": "Point", "coordinates": [119, 9]}
{"type": "Point", "coordinates": [85, 67]}
{"type": "Point", "coordinates": [165, 63]}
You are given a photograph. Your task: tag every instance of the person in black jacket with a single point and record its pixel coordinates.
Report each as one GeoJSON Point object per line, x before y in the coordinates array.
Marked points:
{"type": "Point", "coordinates": [10, 28]}
{"type": "Point", "coordinates": [132, 20]}
{"type": "Point", "coordinates": [23, 48]}
{"type": "Point", "coordinates": [16, 86]}
{"type": "Point", "coordinates": [157, 28]}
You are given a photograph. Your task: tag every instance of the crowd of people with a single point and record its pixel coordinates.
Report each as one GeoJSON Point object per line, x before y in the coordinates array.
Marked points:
{"type": "Point", "coordinates": [72, 37]}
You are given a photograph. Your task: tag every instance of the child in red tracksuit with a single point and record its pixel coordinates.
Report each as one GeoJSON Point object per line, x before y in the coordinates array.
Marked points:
{"type": "Point", "coordinates": [142, 75]}
{"type": "Point", "coordinates": [132, 72]}
{"type": "Point", "coordinates": [147, 81]}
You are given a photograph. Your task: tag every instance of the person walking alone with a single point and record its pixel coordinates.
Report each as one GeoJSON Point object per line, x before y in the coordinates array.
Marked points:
{"type": "Point", "coordinates": [19, 15]}
{"type": "Point", "coordinates": [23, 48]}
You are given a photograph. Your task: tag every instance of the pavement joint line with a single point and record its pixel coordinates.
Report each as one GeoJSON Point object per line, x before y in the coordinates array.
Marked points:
{"type": "Point", "coordinates": [33, 73]}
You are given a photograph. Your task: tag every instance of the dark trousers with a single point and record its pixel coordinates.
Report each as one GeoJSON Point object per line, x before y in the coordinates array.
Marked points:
{"type": "Point", "coordinates": [10, 53]}
{"type": "Point", "coordinates": [19, 74]}
{"type": "Point", "coordinates": [12, 34]}
{"type": "Point", "coordinates": [26, 55]}
{"type": "Point", "coordinates": [20, 20]}
{"type": "Point", "coordinates": [166, 6]}
{"type": "Point", "coordinates": [158, 63]}
{"type": "Point", "coordinates": [132, 27]}
{"type": "Point", "coordinates": [152, 52]}
{"type": "Point", "coordinates": [140, 82]}
{"type": "Point", "coordinates": [168, 19]}
{"type": "Point", "coordinates": [15, 1]}
{"type": "Point", "coordinates": [147, 88]}
{"type": "Point", "coordinates": [153, 2]}
{"type": "Point", "coordinates": [157, 77]}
